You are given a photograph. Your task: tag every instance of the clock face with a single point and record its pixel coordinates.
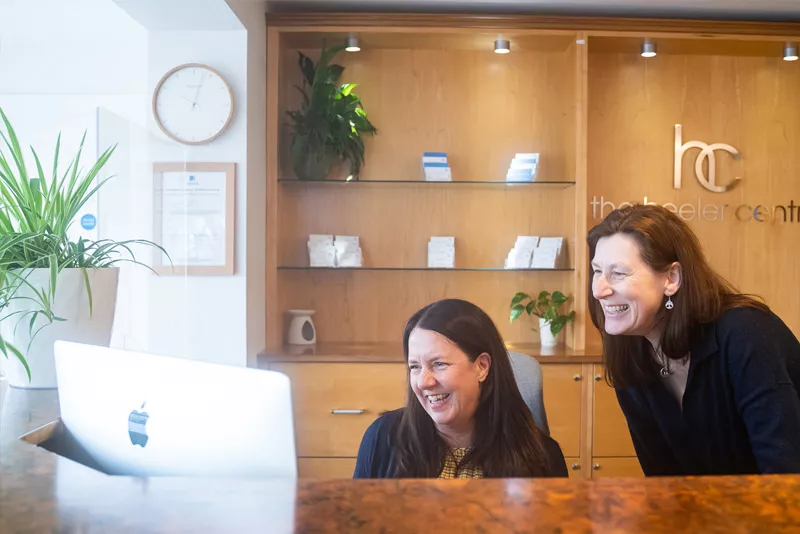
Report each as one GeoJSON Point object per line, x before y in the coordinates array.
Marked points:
{"type": "Point", "coordinates": [192, 104]}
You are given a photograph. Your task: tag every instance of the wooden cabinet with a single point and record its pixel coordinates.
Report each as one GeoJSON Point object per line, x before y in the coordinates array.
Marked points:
{"type": "Point", "coordinates": [574, 468]}
{"type": "Point", "coordinates": [616, 467]}
{"type": "Point", "coordinates": [562, 400]}
{"type": "Point", "coordinates": [611, 437]}
{"type": "Point", "coordinates": [334, 403]}
{"type": "Point", "coordinates": [326, 467]}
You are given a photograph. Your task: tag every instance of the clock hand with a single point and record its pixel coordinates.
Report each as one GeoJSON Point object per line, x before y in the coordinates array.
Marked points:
{"type": "Point", "coordinates": [194, 104]}
{"type": "Point", "coordinates": [197, 93]}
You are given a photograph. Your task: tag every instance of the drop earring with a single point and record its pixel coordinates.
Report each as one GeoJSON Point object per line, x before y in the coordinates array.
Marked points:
{"type": "Point", "coordinates": [669, 305]}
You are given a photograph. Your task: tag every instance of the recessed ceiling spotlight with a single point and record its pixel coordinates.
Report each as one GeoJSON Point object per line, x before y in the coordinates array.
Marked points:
{"type": "Point", "coordinates": [502, 46]}
{"type": "Point", "coordinates": [351, 43]}
{"type": "Point", "coordinates": [790, 52]}
{"type": "Point", "coordinates": [648, 48]}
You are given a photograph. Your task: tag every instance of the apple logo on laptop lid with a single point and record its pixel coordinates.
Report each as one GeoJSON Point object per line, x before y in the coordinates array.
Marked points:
{"type": "Point", "coordinates": [137, 430]}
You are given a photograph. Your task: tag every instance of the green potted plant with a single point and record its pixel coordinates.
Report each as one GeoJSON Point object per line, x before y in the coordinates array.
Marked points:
{"type": "Point", "coordinates": [545, 307]}
{"type": "Point", "coordinates": [52, 287]}
{"type": "Point", "coordinates": [330, 123]}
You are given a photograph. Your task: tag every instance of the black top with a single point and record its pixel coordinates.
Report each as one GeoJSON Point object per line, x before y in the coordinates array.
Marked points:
{"type": "Point", "coordinates": [376, 455]}
{"type": "Point", "coordinates": [741, 408]}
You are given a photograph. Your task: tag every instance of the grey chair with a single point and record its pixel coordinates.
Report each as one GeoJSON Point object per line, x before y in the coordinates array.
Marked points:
{"type": "Point", "coordinates": [528, 375]}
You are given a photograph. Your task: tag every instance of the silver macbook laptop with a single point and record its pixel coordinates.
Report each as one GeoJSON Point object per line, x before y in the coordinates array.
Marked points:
{"type": "Point", "coordinates": [139, 414]}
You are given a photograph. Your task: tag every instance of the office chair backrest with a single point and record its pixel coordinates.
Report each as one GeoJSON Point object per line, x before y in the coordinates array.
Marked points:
{"type": "Point", "coordinates": [528, 374]}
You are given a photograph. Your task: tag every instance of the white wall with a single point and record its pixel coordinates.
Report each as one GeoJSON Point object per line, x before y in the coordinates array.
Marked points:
{"type": "Point", "coordinates": [58, 69]}
{"type": "Point", "coordinates": [203, 317]}
{"type": "Point", "coordinates": [70, 47]}
{"type": "Point", "coordinates": [66, 63]}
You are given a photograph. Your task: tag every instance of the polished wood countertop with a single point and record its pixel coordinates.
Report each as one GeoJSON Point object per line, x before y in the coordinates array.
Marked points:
{"type": "Point", "coordinates": [393, 353]}
{"type": "Point", "coordinates": [42, 492]}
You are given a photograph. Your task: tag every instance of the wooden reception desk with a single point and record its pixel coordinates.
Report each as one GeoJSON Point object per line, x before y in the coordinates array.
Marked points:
{"type": "Point", "coordinates": [43, 492]}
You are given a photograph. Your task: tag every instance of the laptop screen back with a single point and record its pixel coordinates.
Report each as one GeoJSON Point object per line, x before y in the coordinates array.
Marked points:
{"type": "Point", "coordinates": [139, 414]}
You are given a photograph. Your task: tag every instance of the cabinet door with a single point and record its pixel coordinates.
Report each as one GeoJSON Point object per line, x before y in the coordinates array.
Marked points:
{"type": "Point", "coordinates": [562, 402]}
{"type": "Point", "coordinates": [611, 434]}
{"type": "Point", "coordinates": [616, 467]}
{"type": "Point", "coordinates": [574, 468]}
{"type": "Point", "coordinates": [334, 403]}
{"type": "Point", "coordinates": [326, 467]}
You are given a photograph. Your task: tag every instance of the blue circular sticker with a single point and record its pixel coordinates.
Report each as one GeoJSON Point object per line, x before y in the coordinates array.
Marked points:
{"type": "Point", "coordinates": [88, 221]}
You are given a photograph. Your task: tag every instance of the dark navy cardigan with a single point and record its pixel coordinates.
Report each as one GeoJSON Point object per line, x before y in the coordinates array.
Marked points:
{"type": "Point", "coordinates": [376, 457]}
{"type": "Point", "coordinates": [741, 408]}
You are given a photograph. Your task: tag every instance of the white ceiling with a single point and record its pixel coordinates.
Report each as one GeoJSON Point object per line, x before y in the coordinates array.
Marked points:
{"type": "Point", "coordinates": [777, 10]}
{"type": "Point", "coordinates": [177, 15]}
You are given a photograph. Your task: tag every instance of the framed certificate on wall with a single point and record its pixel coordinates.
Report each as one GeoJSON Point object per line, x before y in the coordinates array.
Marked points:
{"type": "Point", "coordinates": [194, 214]}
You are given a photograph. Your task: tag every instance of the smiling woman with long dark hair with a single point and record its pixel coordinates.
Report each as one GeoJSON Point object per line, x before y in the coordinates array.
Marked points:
{"type": "Point", "coordinates": [464, 416]}
{"type": "Point", "coordinates": [706, 376]}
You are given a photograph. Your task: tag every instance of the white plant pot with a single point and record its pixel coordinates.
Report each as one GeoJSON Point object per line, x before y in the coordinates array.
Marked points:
{"type": "Point", "coordinates": [546, 338]}
{"type": "Point", "coordinates": [71, 303]}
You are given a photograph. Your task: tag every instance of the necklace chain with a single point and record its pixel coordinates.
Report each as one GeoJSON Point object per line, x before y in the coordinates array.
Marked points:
{"type": "Point", "coordinates": [665, 370]}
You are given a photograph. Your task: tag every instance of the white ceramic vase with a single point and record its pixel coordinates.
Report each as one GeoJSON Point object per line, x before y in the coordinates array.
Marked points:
{"type": "Point", "coordinates": [301, 328]}
{"type": "Point", "coordinates": [72, 304]}
{"type": "Point", "coordinates": [546, 337]}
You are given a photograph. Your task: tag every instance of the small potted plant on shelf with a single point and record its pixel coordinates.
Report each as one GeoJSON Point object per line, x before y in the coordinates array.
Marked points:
{"type": "Point", "coordinates": [52, 287]}
{"type": "Point", "coordinates": [331, 122]}
{"type": "Point", "coordinates": [545, 307]}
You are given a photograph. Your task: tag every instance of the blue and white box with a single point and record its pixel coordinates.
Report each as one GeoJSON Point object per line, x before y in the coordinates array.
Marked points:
{"type": "Point", "coordinates": [523, 167]}
{"type": "Point", "coordinates": [435, 167]}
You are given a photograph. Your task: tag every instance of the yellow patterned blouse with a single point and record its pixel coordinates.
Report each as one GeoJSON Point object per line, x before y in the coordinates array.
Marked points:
{"type": "Point", "coordinates": [451, 467]}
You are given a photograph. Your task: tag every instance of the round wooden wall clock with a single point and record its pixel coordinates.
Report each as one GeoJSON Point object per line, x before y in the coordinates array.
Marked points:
{"type": "Point", "coordinates": [193, 104]}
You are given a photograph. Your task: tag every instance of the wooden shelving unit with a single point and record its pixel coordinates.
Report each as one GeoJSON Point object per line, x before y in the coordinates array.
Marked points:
{"type": "Point", "coordinates": [573, 89]}
{"type": "Point", "coordinates": [431, 90]}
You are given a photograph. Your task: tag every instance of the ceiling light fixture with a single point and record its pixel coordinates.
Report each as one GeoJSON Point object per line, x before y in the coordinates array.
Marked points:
{"type": "Point", "coordinates": [502, 46]}
{"type": "Point", "coordinates": [351, 43]}
{"type": "Point", "coordinates": [648, 48]}
{"type": "Point", "coordinates": [790, 52]}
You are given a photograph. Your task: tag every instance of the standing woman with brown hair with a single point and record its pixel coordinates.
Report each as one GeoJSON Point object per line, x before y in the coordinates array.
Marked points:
{"type": "Point", "coordinates": [707, 377]}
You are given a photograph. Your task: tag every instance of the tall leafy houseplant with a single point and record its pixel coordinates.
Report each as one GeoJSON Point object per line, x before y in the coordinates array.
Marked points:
{"type": "Point", "coordinates": [330, 124]}
{"type": "Point", "coordinates": [36, 211]}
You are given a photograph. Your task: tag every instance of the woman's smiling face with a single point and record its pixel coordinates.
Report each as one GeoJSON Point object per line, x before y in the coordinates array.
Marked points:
{"type": "Point", "coordinates": [445, 381]}
{"type": "Point", "coordinates": [630, 292]}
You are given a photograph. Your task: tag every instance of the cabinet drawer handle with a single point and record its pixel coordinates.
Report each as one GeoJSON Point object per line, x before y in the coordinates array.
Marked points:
{"type": "Point", "coordinates": [575, 467]}
{"type": "Point", "coordinates": [596, 467]}
{"type": "Point", "coordinates": [347, 412]}
{"type": "Point", "coordinates": [597, 378]}
{"type": "Point", "coordinates": [576, 378]}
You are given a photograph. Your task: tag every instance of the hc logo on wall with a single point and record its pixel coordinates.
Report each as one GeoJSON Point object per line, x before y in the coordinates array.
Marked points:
{"type": "Point", "coordinates": [707, 152]}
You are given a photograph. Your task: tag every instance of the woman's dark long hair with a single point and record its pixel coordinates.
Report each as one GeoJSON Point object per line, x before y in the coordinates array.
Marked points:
{"type": "Point", "coordinates": [663, 238]}
{"type": "Point", "coordinates": [506, 441]}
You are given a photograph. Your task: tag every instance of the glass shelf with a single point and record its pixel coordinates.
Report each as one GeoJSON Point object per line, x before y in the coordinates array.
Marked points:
{"type": "Point", "coordinates": [454, 182]}
{"type": "Point", "coordinates": [477, 269]}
